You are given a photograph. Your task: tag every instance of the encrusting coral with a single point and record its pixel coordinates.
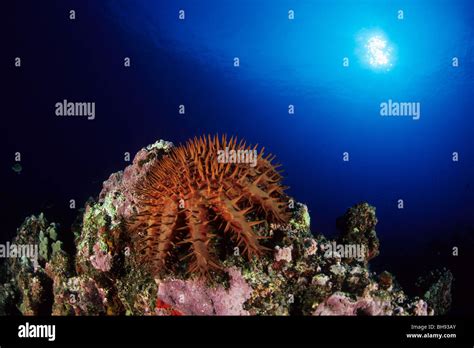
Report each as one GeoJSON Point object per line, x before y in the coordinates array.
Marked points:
{"type": "Point", "coordinates": [192, 197]}
{"type": "Point", "coordinates": [219, 226]}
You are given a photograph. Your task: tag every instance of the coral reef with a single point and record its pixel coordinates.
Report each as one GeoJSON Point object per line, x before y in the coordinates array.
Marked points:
{"type": "Point", "coordinates": [436, 288]}
{"type": "Point", "coordinates": [357, 226]}
{"type": "Point", "coordinates": [29, 282]}
{"type": "Point", "coordinates": [301, 274]}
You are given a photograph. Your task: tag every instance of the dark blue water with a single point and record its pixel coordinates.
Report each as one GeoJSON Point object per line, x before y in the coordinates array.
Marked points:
{"type": "Point", "coordinates": [282, 62]}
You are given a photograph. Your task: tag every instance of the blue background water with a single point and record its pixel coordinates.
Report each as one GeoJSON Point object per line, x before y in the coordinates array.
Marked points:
{"type": "Point", "coordinates": [282, 62]}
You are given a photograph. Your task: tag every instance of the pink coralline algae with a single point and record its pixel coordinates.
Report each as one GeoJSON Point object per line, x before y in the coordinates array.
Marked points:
{"type": "Point", "coordinates": [101, 260]}
{"type": "Point", "coordinates": [283, 254]}
{"type": "Point", "coordinates": [120, 184]}
{"type": "Point", "coordinates": [339, 304]}
{"type": "Point", "coordinates": [421, 308]}
{"type": "Point", "coordinates": [311, 247]}
{"type": "Point", "coordinates": [194, 297]}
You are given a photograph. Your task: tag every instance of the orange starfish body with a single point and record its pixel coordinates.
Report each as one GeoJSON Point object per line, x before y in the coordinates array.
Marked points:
{"type": "Point", "coordinates": [197, 195]}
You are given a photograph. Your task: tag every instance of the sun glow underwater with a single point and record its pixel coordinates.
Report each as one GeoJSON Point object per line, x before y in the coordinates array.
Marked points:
{"type": "Point", "coordinates": [375, 51]}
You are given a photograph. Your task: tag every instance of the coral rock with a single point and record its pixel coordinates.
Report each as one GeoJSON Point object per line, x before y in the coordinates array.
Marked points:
{"type": "Point", "coordinates": [339, 304]}
{"type": "Point", "coordinates": [101, 260]}
{"type": "Point", "coordinates": [283, 254]}
{"type": "Point", "coordinates": [194, 297]}
{"type": "Point", "coordinates": [357, 226]}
